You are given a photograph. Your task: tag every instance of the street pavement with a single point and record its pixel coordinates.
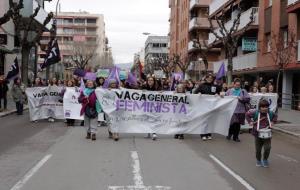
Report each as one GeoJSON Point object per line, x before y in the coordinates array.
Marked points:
{"type": "Point", "coordinates": [44, 156]}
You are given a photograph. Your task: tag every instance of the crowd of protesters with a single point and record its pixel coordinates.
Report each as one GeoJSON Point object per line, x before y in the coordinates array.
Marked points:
{"type": "Point", "coordinates": [91, 108]}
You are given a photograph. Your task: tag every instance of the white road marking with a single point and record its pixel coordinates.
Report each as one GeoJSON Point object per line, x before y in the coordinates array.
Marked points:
{"type": "Point", "coordinates": [289, 159]}
{"type": "Point", "coordinates": [30, 173]}
{"type": "Point", "coordinates": [232, 173]}
{"type": "Point", "coordinates": [137, 177]}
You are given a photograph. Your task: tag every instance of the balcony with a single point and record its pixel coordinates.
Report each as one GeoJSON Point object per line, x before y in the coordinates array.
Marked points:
{"type": "Point", "coordinates": [199, 23]}
{"type": "Point", "coordinates": [29, 9]}
{"type": "Point", "coordinates": [240, 63]}
{"type": "Point", "coordinates": [215, 5]}
{"type": "Point", "coordinates": [244, 20]}
{"type": "Point", "coordinates": [199, 3]}
{"type": "Point", "coordinates": [192, 48]}
{"type": "Point", "coordinates": [291, 2]}
{"type": "Point", "coordinates": [293, 6]}
{"type": "Point", "coordinates": [298, 58]}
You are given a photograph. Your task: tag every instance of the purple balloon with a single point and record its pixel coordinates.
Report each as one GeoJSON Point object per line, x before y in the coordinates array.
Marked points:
{"type": "Point", "coordinates": [90, 76]}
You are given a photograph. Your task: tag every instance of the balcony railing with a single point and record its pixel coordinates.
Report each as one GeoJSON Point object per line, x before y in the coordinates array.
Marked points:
{"type": "Point", "coordinates": [298, 58]}
{"type": "Point", "coordinates": [290, 2]}
{"type": "Point", "coordinates": [243, 62]}
{"type": "Point", "coordinates": [199, 3]}
{"type": "Point", "coordinates": [199, 23]}
{"type": "Point", "coordinates": [215, 5]}
{"type": "Point", "coordinates": [244, 20]}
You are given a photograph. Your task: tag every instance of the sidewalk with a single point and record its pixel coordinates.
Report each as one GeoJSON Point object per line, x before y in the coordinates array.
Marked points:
{"type": "Point", "coordinates": [288, 122]}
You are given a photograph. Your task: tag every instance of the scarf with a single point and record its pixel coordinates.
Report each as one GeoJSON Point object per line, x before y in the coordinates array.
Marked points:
{"type": "Point", "coordinates": [88, 92]}
{"type": "Point", "coordinates": [236, 92]}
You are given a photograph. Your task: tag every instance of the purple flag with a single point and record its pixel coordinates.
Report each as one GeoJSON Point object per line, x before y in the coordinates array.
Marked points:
{"type": "Point", "coordinates": [90, 76]}
{"type": "Point", "coordinates": [114, 75]}
{"type": "Point", "coordinates": [131, 79]}
{"type": "Point", "coordinates": [79, 72]}
{"type": "Point", "coordinates": [221, 72]}
{"type": "Point", "coordinates": [176, 78]}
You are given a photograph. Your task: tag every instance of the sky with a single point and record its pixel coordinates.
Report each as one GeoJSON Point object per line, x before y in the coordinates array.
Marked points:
{"type": "Point", "coordinates": [125, 20]}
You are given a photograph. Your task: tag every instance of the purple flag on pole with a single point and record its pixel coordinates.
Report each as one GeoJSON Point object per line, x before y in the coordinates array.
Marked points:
{"type": "Point", "coordinates": [79, 72]}
{"type": "Point", "coordinates": [90, 76]}
{"type": "Point", "coordinates": [221, 72]}
{"type": "Point", "coordinates": [131, 79]}
{"type": "Point", "coordinates": [114, 75]}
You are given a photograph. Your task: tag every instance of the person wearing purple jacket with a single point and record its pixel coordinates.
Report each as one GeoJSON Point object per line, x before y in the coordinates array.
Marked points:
{"type": "Point", "coordinates": [238, 117]}
{"type": "Point", "coordinates": [262, 118]}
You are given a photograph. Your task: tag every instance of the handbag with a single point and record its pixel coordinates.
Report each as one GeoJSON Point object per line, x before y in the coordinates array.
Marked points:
{"type": "Point", "coordinates": [264, 133]}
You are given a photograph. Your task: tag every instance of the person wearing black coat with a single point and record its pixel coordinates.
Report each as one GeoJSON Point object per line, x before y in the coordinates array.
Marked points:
{"type": "Point", "coordinates": [3, 93]}
{"type": "Point", "coordinates": [209, 88]}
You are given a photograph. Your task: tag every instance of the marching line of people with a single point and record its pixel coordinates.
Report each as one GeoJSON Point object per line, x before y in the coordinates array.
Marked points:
{"type": "Point", "coordinates": [261, 118]}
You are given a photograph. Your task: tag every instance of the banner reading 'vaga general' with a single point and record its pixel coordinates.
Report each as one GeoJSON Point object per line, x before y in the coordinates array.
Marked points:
{"type": "Point", "coordinates": [135, 111]}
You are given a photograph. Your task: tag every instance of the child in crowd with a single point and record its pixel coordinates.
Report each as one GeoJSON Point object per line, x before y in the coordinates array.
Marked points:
{"type": "Point", "coordinates": [262, 120]}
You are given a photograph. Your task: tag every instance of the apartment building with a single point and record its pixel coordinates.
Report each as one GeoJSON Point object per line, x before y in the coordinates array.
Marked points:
{"type": "Point", "coordinates": [199, 29]}
{"type": "Point", "coordinates": [155, 47]}
{"type": "Point", "coordinates": [179, 28]}
{"type": "Point", "coordinates": [75, 28]}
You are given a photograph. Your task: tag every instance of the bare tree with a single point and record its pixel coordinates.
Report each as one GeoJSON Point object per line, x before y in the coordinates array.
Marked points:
{"type": "Point", "coordinates": [229, 37]}
{"type": "Point", "coordinates": [167, 67]}
{"type": "Point", "coordinates": [25, 27]}
{"type": "Point", "coordinates": [182, 64]}
{"type": "Point", "coordinates": [13, 11]}
{"type": "Point", "coordinates": [283, 46]}
{"type": "Point", "coordinates": [82, 53]}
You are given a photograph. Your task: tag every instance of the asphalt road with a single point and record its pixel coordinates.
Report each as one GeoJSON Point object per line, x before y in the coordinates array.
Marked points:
{"type": "Point", "coordinates": [48, 156]}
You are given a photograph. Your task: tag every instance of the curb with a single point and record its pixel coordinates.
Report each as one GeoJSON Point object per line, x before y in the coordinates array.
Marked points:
{"type": "Point", "coordinates": [286, 132]}
{"type": "Point", "coordinates": [10, 112]}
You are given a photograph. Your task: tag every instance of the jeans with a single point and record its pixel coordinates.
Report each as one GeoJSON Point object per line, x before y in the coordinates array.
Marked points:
{"type": "Point", "coordinates": [262, 143]}
{"type": "Point", "coordinates": [91, 124]}
{"type": "Point", "coordinates": [19, 107]}
{"type": "Point", "coordinates": [4, 102]}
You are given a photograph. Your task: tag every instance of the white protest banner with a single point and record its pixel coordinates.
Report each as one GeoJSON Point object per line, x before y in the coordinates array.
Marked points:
{"type": "Point", "coordinates": [135, 111]}
{"type": "Point", "coordinates": [271, 97]}
{"type": "Point", "coordinates": [45, 102]}
{"type": "Point", "coordinates": [71, 105]}
{"type": "Point", "coordinates": [254, 101]}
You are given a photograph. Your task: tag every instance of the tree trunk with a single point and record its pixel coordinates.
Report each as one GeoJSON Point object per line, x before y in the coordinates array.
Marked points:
{"type": "Point", "coordinates": [278, 80]}
{"type": "Point", "coordinates": [24, 68]}
{"type": "Point", "coordinates": [229, 69]}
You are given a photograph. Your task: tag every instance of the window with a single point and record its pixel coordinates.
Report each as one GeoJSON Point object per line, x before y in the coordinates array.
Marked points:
{"type": "Point", "coordinates": [79, 21]}
{"type": "Point", "coordinates": [268, 41]}
{"type": "Point", "coordinates": [91, 21]}
{"type": "Point", "coordinates": [156, 45]}
{"type": "Point", "coordinates": [68, 21]}
{"type": "Point", "coordinates": [270, 3]}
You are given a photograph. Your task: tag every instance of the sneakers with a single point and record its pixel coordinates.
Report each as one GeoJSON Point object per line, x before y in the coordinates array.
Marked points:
{"type": "Point", "coordinates": [265, 163]}
{"type": "Point", "coordinates": [93, 137]}
{"type": "Point", "coordinates": [154, 136]}
{"type": "Point", "coordinates": [209, 138]}
{"type": "Point", "coordinates": [204, 138]}
{"type": "Point", "coordinates": [88, 136]}
{"type": "Point", "coordinates": [258, 163]}
{"type": "Point", "coordinates": [51, 120]}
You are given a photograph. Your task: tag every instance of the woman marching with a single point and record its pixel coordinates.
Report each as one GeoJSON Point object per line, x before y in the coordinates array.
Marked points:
{"type": "Point", "coordinates": [90, 109]}
{"type": "Point", "coordinates": [238, 117]}
{"type": "Point", "coordinates": [180, 89]}
{"type": "Point", "coordinates": [112, 85]}
{"type": "Point", "coordinates": [18, 94]}
{"type": "Point", "coordinates": [151, 86]}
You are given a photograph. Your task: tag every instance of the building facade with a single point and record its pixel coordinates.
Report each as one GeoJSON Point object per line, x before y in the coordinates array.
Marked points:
{"type": "Point", "coordinates": [199, 29]}
{"type": "Point", "coordinates": [155, 47]}
{"type": "Point", "coordinates": [179, 28]}
{"type": "Point", "coordinates": [79, 29]}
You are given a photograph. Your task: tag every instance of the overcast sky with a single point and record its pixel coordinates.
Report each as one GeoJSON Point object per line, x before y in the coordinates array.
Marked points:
{"type": "Point", "coordinates": [125, 21]}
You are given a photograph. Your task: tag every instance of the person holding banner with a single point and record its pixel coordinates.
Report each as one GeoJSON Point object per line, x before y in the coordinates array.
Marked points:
{"type": "Point", "coordinates": [208, 88]}
{"type": "Point", "coordinates": [70, 83]}
{"type": "Point", "coordinates": [180, 89]}
{"type": "Point", "coordinates": [53, 83]}
{"type": "Point", "coordinates": [238, 117]}
{"type": "Point", "coordinates": [151, 86]}
{"type": "Point", "coordinates": [90, 109]}
{"type": "Point", "coordinates": [262, 120]}
{"type": "Point", "coordinates": [18, 94]}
